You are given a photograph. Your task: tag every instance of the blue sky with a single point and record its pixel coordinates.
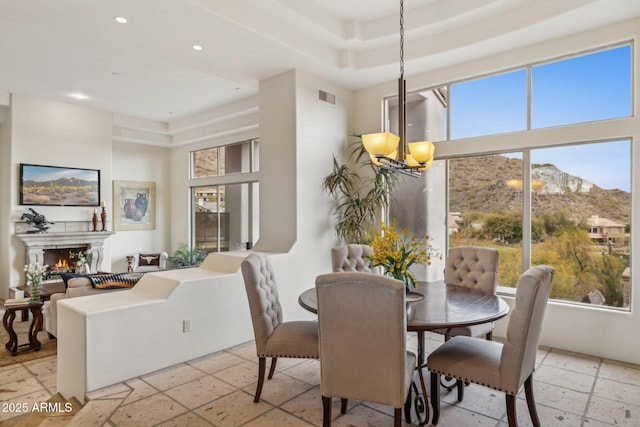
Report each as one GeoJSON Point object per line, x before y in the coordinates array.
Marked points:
{"type": "Point", "coordinates": [45, 173]}
{"type": "Point", "coordinates": [592, 87]}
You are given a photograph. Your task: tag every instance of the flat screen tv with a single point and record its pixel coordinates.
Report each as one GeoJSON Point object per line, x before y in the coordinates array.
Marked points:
{"type": "Point", "coordinates": [59, 186]}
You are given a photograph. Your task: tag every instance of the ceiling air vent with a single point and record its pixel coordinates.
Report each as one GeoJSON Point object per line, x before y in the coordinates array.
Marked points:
{"type": "Point", "coordinates": [325, 96]}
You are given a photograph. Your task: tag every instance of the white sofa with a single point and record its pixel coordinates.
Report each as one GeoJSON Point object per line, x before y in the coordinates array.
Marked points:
{"type": "Point", "coordinates": [76, 287]}
{"type": "Point", "coordinates": [106, 339]}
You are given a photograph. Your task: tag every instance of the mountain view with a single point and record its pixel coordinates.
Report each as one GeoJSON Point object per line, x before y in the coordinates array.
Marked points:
{"type": "Point", "coordinates": [493, 183]}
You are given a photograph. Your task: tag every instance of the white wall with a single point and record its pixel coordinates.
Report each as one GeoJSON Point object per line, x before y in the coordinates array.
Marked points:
{"type": "Point", "coordinates": [321, 129]}
{"type": "Point", "coordinates": [599, 332]}
{"type": "Point", "coordinates": [136, 162]}
{"type": "Point", "coordinates": [5, 196]}
{"type": "Point", "coordinates": [44, 132]}
{"type": "Point", "coordinates": [56, 134]}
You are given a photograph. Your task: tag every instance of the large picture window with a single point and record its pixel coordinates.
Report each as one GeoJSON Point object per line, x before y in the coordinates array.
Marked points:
{"type": "Point", "coordinates": [543, 199]}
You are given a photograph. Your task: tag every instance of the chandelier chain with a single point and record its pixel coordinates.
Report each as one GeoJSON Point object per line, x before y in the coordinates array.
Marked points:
{"type": "Point", "coordinates": [402, 37]}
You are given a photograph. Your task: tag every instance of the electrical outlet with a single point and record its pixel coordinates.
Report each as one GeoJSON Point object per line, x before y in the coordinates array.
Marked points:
{"type": "Point", "coordinates": [186, 326]}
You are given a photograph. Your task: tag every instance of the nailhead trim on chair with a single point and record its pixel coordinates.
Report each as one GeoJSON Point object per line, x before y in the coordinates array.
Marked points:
{"type": "Point", "coordinates": [287, 355]}
{"type": "Point", "coordinates": [468, 380]}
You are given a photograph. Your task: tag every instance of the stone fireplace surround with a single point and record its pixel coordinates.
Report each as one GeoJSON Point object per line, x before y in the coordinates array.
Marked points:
{"type": "Point", "coordinates": [60, 236]}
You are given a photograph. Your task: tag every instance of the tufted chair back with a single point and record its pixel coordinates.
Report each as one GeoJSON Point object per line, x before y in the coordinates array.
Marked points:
{"type": "Point", "coordinates": [472, 267]}
{"type": "Point", "coordinates": [274, 338]}
{"type": "Point", "coordinates": [262, 292]}
{"type": "Point", "coordinates": [351, 257]}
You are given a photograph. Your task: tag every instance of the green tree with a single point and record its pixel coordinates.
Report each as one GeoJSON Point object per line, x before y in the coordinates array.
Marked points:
{"type": "Point", "coordinates": [609, 274]}
{"type": "Point", "coordinates": [506, 227]}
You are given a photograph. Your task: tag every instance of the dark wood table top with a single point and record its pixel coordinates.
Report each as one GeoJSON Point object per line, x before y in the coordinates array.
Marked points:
{"type": "Point", "coordinates": [46, 289]}
{"type": "Point", "coordinates": [443, 306]}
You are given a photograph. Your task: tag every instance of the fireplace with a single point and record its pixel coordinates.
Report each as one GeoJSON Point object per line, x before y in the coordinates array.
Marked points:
{"type": "Point", "coordinates": [52, 247]}
{"type": "Point", "coordinates": [59, 260]}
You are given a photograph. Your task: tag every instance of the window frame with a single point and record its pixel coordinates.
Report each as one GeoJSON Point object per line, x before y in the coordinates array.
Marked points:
{"type": "Point", "coordinates": [251, 178]}
{"type": "Point", "coordinates": [596, 131]}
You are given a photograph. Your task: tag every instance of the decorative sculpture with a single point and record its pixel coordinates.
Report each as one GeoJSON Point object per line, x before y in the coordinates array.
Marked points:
{"type": "Point", "coordinates": [37, 220]}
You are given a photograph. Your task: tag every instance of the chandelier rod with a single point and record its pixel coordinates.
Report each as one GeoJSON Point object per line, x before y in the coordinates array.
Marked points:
{"type": "Point", "coordinates": [402, 117]}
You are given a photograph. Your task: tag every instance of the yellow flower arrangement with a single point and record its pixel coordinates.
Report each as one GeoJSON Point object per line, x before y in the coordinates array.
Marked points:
{"type": "Point", "coordinates": [396, 251]}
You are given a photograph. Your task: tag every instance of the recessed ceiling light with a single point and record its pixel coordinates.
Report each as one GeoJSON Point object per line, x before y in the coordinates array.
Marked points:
{"type": "Point", "coordinates": [197, 47]}
{"type": "Point", "coordinates": [121, 19]}
{"type": "Point", "coordinates": [78, 95]}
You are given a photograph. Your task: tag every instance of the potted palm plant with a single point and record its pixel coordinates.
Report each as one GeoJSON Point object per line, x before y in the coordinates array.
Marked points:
{"type": "Point", "coordinates": [359, 199]}
{"type": "Point", "coordinates": [186, 256]}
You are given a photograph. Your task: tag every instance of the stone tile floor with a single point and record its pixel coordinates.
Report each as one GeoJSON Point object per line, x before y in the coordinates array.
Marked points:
{"type": "Point", "coordinates": [217, 390]}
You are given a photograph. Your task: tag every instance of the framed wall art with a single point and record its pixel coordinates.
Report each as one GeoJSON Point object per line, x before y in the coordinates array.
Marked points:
{"type": "Point", "coordinates": [59, 186]}
{"type": "Point", "coordinates": [134, 205]}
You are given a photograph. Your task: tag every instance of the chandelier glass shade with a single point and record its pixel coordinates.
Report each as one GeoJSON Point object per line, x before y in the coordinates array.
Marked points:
{"type": "Point", "coordinates": [391, 151]}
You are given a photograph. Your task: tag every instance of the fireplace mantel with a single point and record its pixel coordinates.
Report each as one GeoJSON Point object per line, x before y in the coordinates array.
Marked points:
{"type": "Point", "coordinates": [36, 243]}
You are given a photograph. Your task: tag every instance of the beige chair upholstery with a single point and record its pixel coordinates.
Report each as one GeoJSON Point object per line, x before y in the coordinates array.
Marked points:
{"type": "Point", "coordinates": [476, 268]}
{"type": "Point", "coordinates": [274, 338]}
{"type": "Point", "coordinates": [362, 323]}
{"type": "Point", "coordinates": [351, 257]}
{"type": "Point", "coordinates": [504, 367]}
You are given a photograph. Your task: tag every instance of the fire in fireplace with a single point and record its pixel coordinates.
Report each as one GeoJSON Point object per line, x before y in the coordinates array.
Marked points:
{"type": "Point", "coordinates": [59, 260]}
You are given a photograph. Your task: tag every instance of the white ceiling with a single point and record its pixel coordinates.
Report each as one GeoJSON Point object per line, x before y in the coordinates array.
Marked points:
{"type": "Point", "coordinates": [147, 67]}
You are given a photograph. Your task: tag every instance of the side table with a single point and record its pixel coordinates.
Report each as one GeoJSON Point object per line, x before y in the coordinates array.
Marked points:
{"type": "Point", "coordinates": [46, 290]}
{"type": "Point", "coordinates": [36, 326]}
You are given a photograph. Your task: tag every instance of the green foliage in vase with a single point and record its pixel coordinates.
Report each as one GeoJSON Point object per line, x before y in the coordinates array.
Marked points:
{"type": "Point", "coordinates": [186, 256]}
{"type": "Point", "coordinates": [359, 199]}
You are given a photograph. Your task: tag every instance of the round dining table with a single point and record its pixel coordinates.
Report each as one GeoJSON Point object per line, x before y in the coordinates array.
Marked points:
{"type": "Point", "coordinates": [434, 305]}
{"type": "Point", "coordinates": [439, 306]}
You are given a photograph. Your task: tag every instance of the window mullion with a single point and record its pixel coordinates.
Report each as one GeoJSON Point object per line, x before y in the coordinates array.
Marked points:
{"type": "Point", "coordinates": [526, 209]}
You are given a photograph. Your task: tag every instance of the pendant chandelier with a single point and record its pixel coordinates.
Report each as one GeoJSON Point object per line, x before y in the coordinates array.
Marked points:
{"type": "Point", "coordinates": [391, 151]}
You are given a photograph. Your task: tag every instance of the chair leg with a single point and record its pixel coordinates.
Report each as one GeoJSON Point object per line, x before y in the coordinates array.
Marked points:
{"type": "Point", "coordinates": [343, 405]}
{"type": "Point", "coordinates": [407, 405]}
{"type": "Point", "coordinates": [511, 410]}
{"type": "Point", "coordinates": [460, 385]}
{"type": "Point", "coordinates": [489, 336]}
{"type": "Point", "coordinates": [262, 364]}
{"type": "Point", "coordinates": [397, 417]}
{"type": "Point", "coordinates": [435, 397]}
{"type": "Point", "coordinates": [273, 367]}
{"type": "Point", "coordinates": [531, 403]}
{"type": "Point", "coordinates": [326, 411]}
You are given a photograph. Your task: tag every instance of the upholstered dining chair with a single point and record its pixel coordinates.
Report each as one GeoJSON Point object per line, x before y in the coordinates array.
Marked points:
{"type": "Point", "coordinates": [274, 338]}
{"type": "Point", "coordinates": [352, 257]}
{"type": "Point", "coordinates": [471, 267]}
{"type": "Point", "coordinates": [476, 268]}
{"type": "Point", "coordinates": [362, 324]}
{"type": "Point", "coordinates": [503, 367]}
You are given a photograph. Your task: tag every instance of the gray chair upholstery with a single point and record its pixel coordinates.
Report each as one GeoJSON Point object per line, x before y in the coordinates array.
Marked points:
{"type": "Point", "coordinates": [351, 257]}
{"type": "Point", "coordinates": [274, 338]}
{"type": "Point", "coordinates": [503, 367]}
{"type": "Point", "coordinates": [362, 324]}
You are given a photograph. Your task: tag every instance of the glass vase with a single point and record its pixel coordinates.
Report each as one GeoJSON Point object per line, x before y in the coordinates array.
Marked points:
{"type": "Point", "coordinates": [34, 291]}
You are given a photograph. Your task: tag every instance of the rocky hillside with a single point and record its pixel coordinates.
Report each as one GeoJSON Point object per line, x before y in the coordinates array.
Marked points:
{"type": "Point", "coordinates": [493, 183]}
